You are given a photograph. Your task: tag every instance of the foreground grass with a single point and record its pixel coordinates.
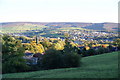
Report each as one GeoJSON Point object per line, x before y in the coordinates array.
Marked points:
{"type": "Point", "coordinates": [99, 66]}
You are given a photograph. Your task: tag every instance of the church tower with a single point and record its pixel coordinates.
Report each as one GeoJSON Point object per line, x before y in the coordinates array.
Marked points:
{"type": "Point", "coordinates": [36, 36]}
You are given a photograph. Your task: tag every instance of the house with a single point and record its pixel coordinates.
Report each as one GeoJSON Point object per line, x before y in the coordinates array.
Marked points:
{"type": "Point", "coordinates": [30, 59]}
{"type": "Point", "coordinates": [29, 55]}
{"type": "Point", "coordinates": [114, 49]}
{"type": "Point", "coordinates": [38, 55]}
{"type": "Point", "coordinates": [81, 47]}
{"type": "Point", "coordinates": [96, 47]}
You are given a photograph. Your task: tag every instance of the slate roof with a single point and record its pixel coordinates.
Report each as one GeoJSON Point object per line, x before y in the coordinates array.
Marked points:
{"type": "Point", "coordinates": [29, 54]}
{"type": "Point", "coordinates": [37, 55]}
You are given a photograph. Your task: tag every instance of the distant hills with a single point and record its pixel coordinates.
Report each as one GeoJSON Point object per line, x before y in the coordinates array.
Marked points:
{"type": "Point", "coordinates": [13, 27]}
{"type": "Point", "coordinates": [92, 26]}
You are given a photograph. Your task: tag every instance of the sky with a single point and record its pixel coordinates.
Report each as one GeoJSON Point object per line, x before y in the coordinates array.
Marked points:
{"type": "Point", "coordinates": [59, 11]}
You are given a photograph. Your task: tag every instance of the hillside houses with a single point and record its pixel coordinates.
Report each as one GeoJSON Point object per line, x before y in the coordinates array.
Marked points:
{"type": "Point", "coordinates": [32, 58]}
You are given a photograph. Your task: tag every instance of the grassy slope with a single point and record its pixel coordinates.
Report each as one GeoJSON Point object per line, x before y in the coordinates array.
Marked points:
{"type": "Point", "coordinates": [99, 66]}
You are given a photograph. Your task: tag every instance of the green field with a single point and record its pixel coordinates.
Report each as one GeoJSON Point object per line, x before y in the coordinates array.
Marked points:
{"type": "Point", "coordinates": [22, 28]}
{"type": "Point", "coordinates": [99, 66]}
{"type": "Point", "coordinates": [73, 28]}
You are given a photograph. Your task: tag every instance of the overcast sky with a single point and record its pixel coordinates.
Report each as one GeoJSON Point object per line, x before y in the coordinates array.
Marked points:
{"type": "Point", "coordinates": [59, 10]}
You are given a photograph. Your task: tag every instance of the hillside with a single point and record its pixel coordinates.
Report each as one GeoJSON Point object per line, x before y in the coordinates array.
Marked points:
{"type": "Point", "coordinates": [95, 26]}
{"type": "Point", "coordinates": [103, 26]}
{"type": "Point", "coordinates": [18, 27]}
{"type": "Point", "coordinates": [99, 66]}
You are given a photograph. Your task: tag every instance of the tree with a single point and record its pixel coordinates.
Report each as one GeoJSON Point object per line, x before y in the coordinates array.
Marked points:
{"type": "Point", "coordinates": [71, 60]}
{"type": "Point", "coordinates": [66, 35]}
{"type": "Point", "coordinates": [59, 45]}
{"type": "Point", "coordinates": [102, 50]}
{"type": "Point", "coordinates": [52, 59]}
{"type": "Point", "coordinates": [46, 44]}
{"type": "Point", "coordinates": [33, 47]}
{"type": "Point", "coordinates": [117, 43]}
{"type": "Point", "coordinates": [12, 53]}
{"type": "Point", "coordinates": [69, 48]}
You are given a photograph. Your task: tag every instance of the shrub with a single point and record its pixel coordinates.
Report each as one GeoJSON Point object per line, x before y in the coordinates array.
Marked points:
{"type": "Point", "coordinates": [102, 50]}
{"type": "Point", "coordinates": [54, 59]}
{"type": "Point", "coordinates": [72, 60]}
{"type": "Point", "coordinates": [16, 64]}
{"type": "Point", "coordinates": [91, 52]}
{"type": "Point", "coordinates": [51, 60]}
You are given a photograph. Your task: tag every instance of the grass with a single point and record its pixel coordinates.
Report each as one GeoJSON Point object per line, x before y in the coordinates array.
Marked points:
{"type": "Point", "coordinates": [98, 66]}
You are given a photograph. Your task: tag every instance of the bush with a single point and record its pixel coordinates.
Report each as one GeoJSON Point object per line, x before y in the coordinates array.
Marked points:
{"type": "Point", "coordinates": [102, 50]}
{"type": "Point", "coordinates": [91, 52]}
{"type": "Point", "coordinates": [51, 60]}
{"type": "Point", "coordinates": [83, 52]}
{"type": "Point", "coordinates": [54, 59]}
{"type": "Point", "coordinates": [16, 64]}
{"type": "Point", "coordinates": [72, 60]}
